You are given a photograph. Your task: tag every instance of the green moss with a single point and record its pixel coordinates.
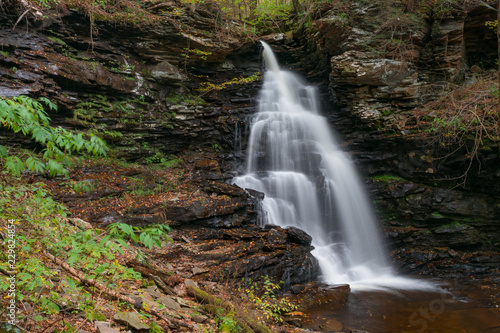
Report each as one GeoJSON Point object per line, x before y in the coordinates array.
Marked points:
{"type": "Point", "coordinates": [386, 112]}
{"type": "Point", "coordinates": [455, 224]}
{"type": "Point", "coordinates": [57, 40]}
{"type": "Point", "coordinates": [437, 215]}
{"type": "Point", "coordinates": [187, 99]}
{"type": "Point", "coordinates": [387, 178]}
{"type": "Point", "coordinates": [155, 328]}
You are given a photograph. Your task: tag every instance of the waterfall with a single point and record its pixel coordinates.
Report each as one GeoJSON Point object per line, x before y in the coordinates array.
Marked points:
{"type": "Point", "coordinates": [310, 183]}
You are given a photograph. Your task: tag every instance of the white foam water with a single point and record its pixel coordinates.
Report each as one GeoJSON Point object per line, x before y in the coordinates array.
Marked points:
{"type": "Point", "coordinates": [310, 183]}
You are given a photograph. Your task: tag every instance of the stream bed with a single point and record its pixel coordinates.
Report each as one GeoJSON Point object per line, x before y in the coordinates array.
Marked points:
{"type": "Point", "coordinates": [456, 307]}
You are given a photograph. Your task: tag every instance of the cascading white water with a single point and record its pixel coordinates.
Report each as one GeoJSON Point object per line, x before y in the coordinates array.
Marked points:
{"type": "Point", "coordinates": [308, 182]}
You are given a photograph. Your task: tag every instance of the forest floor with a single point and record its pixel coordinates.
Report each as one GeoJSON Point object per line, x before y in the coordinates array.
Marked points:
{"type": "Point", "coordinates": [71, 277]}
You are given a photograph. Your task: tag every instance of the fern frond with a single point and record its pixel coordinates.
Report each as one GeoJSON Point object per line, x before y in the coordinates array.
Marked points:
{"type": "Point", "coordinates": [55, 168]}
{"type": "Point", "coordinates": [41, 134]}
{"type": "Point", "coordinates": [35, 164]}
{"type": "Point", "coordinates": [14, 165]}
{"type": "Point", "coordinates": [3, 151]}
{"type": "Point", "coordinates": [52, 106]}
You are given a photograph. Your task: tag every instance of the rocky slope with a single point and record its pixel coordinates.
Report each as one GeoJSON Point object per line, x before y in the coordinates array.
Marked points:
{"type": "Point", "coordinates": [138, 86]}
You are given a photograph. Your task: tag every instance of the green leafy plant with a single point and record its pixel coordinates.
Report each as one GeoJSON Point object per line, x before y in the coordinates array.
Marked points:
{"type": "Point", "coordinates": [156, 158]}
{"type": "Point", "coordinates": [150, 236]}
{"type": "Point", "coordinates": [161, 161]}
{"type": "Point", "coordinates": [81, 186]}
{"type": "Point", "coordinates": [271, 16]}
{"type": "Point", "coordinates": [264, 295]}
{"type": "Point", "coordinates": [155, 328]}
{"type": "Point", "coordinates": [56, 40]}
{"type": "Point", "coordinates": [387, 178]}
{"type": "Point", "coordinates": [228, 324]}
{"type": "Point", "coordinates": [41, 226]}
{"type": "Point", "coordinates": [216, 147]}
{"type": "Point", "coordinates": [27, 116]}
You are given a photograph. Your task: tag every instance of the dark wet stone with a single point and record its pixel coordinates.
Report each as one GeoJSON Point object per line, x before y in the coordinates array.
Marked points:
{"type": "Point", "coordinates": [297, 322]}
{"type": "Point", "coordinates": [13, 92]}
{"type": "Point", "coordinates": [296, 235]}
{"type": "Point", "coordinates": [277, 236]}
{"type": "Point", "coordinates": [323, 295]}
{"type": "Point", "coordinates": [108, 219]}
{"type": "Point", "coordinates": [256, 194]}
{"type": "Point", "coordinates": [164, 72]}
{"type": "Point", "coordinates": [245, 252]}
{"type": "Point", "coordinates": [451, 229]}
{"type": "Point", "coordinates": [297, 288]}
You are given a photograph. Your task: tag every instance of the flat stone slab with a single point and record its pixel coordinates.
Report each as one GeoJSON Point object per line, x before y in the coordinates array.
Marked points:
{"type": "Point", "coordinates": [153, 293]}
{"type": "Point", "coordinates": [199, 318]}
{"type": "Point", "coordinates": [169, 303]}
{"type": "Point", "coordinates": [130, 319]}
{"type": "Point", "coordinates": [106, 329]}
{"type": "Point", "coordinates": [191, 283]}
{"type": "Point", "coordinates": [319, 295]}
{"type": "Point", "coordinates": [198, 270]}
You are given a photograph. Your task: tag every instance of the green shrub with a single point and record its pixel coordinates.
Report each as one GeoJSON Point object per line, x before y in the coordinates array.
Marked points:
{"type": "Point", "coordinates": [41, 226]}
{"type": "Point", "coordinates": [150, 236]}
{"type": "Point", "coordinates": [27, 116]}
{"type": "Point", "coordinates": [264, 296]}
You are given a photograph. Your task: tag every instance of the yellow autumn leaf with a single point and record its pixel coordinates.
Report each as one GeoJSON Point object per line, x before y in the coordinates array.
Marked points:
{"type": "Point", "coordinates": [145, 306]}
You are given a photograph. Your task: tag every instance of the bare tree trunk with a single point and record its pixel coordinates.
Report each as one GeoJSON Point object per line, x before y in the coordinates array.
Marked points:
{"type": "Point", "coordinates": [411, 6]}
{"type": "Point", "coordinates": [253, 7]}
{"type": "Point", "coordinates": [297, 8]}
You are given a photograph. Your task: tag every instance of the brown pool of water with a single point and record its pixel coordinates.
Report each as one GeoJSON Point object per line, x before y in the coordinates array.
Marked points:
{"type": "Point", "coordinates": [473, 307]}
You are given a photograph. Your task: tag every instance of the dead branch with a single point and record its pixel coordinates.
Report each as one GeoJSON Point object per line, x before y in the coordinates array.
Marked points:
{"type": "Point", "coordinates": [20, 18]}
{"type": "Point", "coordinates": [461, 113]}
{"type": "Point", "coordinates": [7, 273]}
{"type": "Point", "coordinates": [166, 289]}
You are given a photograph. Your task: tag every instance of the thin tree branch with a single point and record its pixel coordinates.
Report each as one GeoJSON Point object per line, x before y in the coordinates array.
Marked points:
{"type": "Point", "coordinates": [20, 18]}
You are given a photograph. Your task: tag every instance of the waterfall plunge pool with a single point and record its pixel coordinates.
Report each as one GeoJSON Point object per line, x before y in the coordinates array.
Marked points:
{"type": "Point", "coordinates": [457, 307]}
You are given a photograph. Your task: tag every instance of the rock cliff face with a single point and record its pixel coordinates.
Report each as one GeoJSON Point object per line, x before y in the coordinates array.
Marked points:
{"type": "Point", "coordinates": [122, 80]}
{"type": "Point", "coordinates": [374, 74]}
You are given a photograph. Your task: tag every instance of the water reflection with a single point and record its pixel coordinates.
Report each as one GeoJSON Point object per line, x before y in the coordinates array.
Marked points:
{"type": "Point", "coordinates": [472, 308]}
